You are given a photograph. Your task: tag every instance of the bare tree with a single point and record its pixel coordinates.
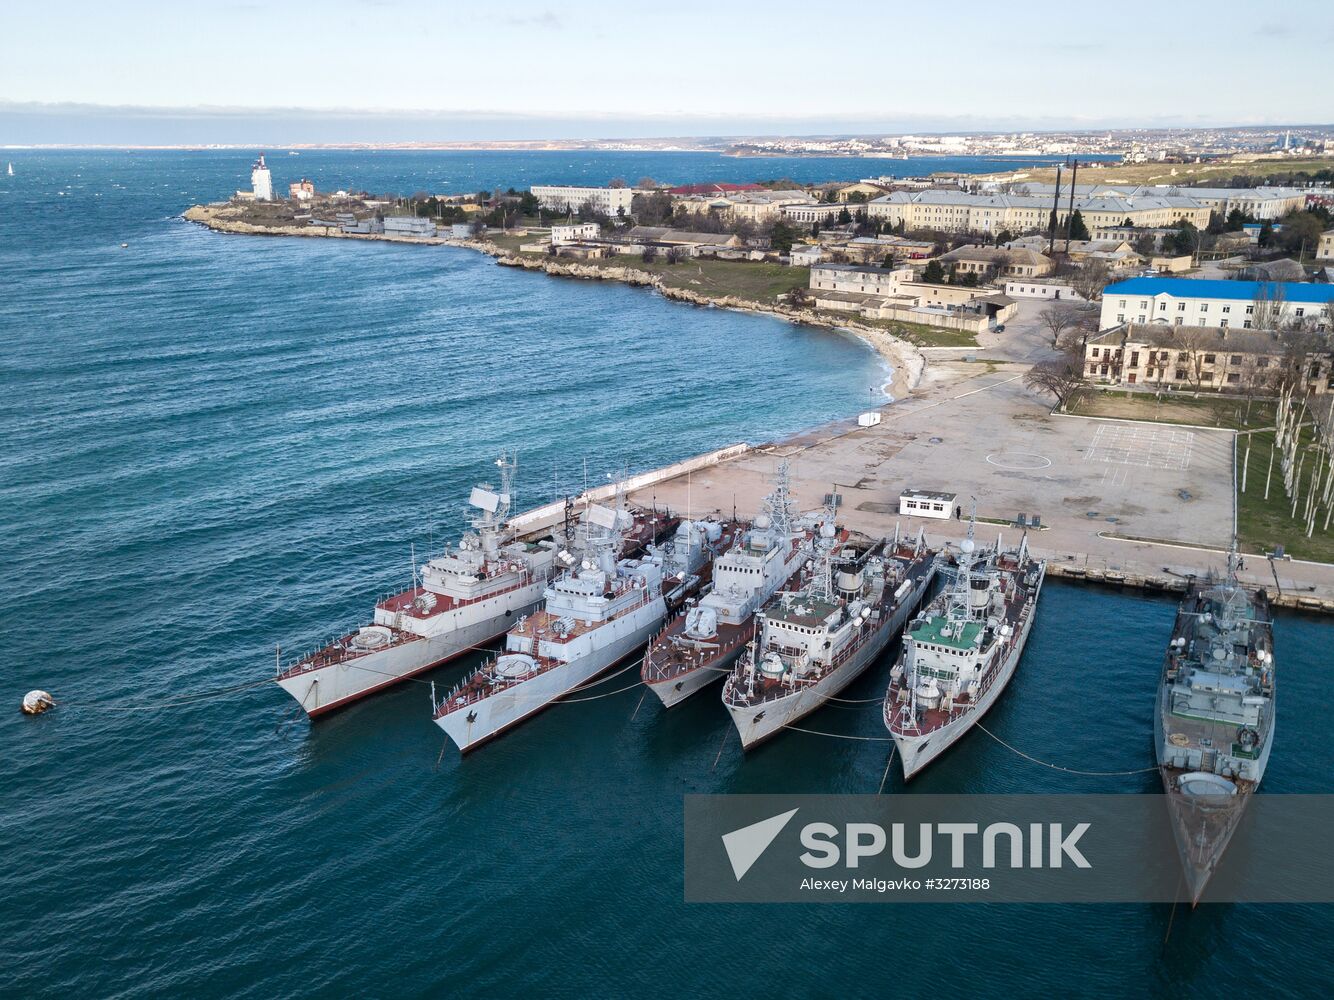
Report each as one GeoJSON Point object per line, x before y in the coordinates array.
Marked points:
{"type": "Point", "coordinates": [1190, 343]}
{"type": "Point", "coordinates": [1063, 377]}
{"type": "Point", "coordinates": [646, 183]}
{"type": "Point", "coordinates": [617, 182]}
{"type": "Point", "coordinates": [1057, 318]}
{"type": "Point", "coordinates": [1267, 306]}
{"type": "Point", "coordinates": [1090, 280]}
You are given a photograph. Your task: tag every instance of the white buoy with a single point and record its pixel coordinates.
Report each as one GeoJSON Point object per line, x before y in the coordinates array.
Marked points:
{"type": "Point", "coordinates": [37, 702]}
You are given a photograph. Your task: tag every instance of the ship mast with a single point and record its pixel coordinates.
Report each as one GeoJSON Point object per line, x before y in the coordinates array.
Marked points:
{"type": "Point", "coordinates": [779, 503]}
{"type": "Point", "coordinates": [959, 604]}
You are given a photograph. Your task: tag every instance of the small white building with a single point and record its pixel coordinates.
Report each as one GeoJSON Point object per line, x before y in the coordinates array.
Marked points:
{"type": "Point", "coordinates": [574, 232]}
{"type": "Point", "coordinates": [928, 503]}
{"type": "Point", "coordinates": [1031, 288]}
{"type": "Point", "coordinates": [807, 256]}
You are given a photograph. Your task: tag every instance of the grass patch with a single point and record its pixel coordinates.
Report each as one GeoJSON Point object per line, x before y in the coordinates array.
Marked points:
{"type": "Point", "coordinates": [1178, 408]}
{"type": "Point", "coordinates": [917, 333]}
{"type": "Point", "coordinates": [1261, 523]}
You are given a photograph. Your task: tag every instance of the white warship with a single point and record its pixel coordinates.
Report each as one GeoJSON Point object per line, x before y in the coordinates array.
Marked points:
{"type": "Point", "coordinates": [594, 615]}
{"type": "Point", "coordinates": [701, 644]}
{"type": "Point", "coordinates": [460, 601]}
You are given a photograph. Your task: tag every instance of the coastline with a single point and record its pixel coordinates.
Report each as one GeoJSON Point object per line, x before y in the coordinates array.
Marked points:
{"type": "Point", "coordinates": [906, 362]}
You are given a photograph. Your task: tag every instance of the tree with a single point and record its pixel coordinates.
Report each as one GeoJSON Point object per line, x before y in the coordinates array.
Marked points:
{"type": "Point", "coordinates": [1266, 235]}
{"type": "Point", "coordinates": [1004, 236]}
{"type": "Point", "coordinates": [647, 183]}
{"type": "Point", "coordinates": [675, 255]}
{"type": "Point", "coordinates": [1091, 279]}
{"type": "Point", "coordinates": [617, 182]}
{"type": "Point", "coordinates": [1078, 230]}
{"type": "Point", "coordinates": [1057, 318]}
{"type": "Point", "coordinates": [844, 217]}
{"type": "Point", "coordinates": [528, 203]}
{"type": "Point", "coordinates": [934, 274]}
{"type": "Point", "coordinates": [1146, 244]}
{"type": "Point", "coordinates": [649, 255]}
{"type": "Point", "coordinates": [1062, 377]}
{"type": "Point", "coordinates": [1267, 306]}
{"type": "Point", "coordinates": [1301, 232]}
{"type": "Point", "coordinates": [782, 236]}
{"type": "Point", "coordinates": [969, 280]}
{"type": "Point", "coordinates": [1236, 219]}
{"type": "Point", "coordinates": [1186, 240]}
{"type": "Point", "coordinates": [1127, 223]}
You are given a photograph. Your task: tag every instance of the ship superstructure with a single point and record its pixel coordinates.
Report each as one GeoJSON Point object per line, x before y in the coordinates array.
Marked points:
{"type": "Point", "coordinates": [814, 642]}
{"type": "Point", "coordinates": [701, 644]}
{"type": "Point", "coordinates": [594, 615]}
{"type": "Point", "coordinates": [960, 653]}
{"type": "Point", "coordinates": [459, 601]}
{"type": "Point", "coordinates": [1214, 724]}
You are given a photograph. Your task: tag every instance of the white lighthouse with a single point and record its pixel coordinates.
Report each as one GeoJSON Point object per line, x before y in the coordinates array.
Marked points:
{"type": "Point", "coordinates": [261, 181]}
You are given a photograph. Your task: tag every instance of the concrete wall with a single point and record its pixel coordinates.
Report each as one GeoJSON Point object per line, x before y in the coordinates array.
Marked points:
{"type": "Point", "coordinates": [543, 518]}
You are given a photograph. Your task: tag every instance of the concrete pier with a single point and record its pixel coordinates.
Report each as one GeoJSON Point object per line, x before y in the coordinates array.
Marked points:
{"type": "Point", "coordinates": [1102, 488]}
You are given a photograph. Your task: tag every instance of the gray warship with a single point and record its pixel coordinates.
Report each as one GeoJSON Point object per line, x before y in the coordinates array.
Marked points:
{"type": "Point", "coordinates": [1214, 726]}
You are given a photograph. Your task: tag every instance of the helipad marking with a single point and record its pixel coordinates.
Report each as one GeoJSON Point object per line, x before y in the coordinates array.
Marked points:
{"type": "Point", "coordinates": [1019, 461]}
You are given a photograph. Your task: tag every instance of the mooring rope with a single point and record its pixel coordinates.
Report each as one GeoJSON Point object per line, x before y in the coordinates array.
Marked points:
{"type": "Point", "coordinates": [1058, 767]}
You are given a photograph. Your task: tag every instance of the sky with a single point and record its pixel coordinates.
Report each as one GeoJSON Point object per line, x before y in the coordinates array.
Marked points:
{"type": "Point", "coordinates": [411, 70]}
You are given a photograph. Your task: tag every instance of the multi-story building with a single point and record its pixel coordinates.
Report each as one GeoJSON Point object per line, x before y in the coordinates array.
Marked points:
{"type": "Point", "coordinates": [408, 225]}
{"type": "Point", "coordinates": [860, 278]}
{"type": "Point", "coordinates": [606, 200]}
{"type": "Point", "coordinates": [1221, 304]}
{"type": "Point", "coordinates": [808, 212]}
{"type": "Point", "coordinates": [1259, 203]}
{"type": "Point", "coordinates": [1194, 357]}
{"type": "Point", "coordinates": [1325, 249]}
{"type": "Point", "coordinates": [963, 212]}
{"type": "Point", "coordinates": [991, 262]}
{"type": "Point", "coordinates": [302, 190]}
{"type": "Point", "coordinates": [574, 232]}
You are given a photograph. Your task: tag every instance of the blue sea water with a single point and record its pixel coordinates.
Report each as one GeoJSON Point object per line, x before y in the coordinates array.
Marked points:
{"type": "Point", "coordinates": [213, 444]}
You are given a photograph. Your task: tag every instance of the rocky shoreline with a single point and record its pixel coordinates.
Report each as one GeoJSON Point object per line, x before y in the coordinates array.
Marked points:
{"type": "Point", "coordinates": [906, 361]}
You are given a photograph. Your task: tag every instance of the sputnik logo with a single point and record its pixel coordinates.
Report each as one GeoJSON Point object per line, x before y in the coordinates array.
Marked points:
{"type": "Point", "coordinates": [744, 846]}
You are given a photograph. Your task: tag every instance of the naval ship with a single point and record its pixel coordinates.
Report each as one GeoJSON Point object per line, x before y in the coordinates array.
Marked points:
{"type": "Point", "coordinates": [596, 613]}
{"type": "Point", "coordinates": [1214, 723]}
{"type": "Point", "coordinates": [463, 599]}
{"type": "Point", "coordinates": [700, 645]}
{"type": "Point", "coordinates": [816, 641]}
{"type": "Point", "coordinates": [959, 654]}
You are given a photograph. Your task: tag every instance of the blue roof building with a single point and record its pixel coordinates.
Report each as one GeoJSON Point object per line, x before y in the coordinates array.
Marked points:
{"type": "Point", "coordinates": [1223, 304]}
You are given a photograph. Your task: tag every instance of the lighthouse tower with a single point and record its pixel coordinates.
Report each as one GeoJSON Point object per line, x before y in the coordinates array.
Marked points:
{"type": "Point", "coordinates": [261, 181]}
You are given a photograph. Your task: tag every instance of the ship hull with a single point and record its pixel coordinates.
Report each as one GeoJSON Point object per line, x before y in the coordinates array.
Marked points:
{"type": "Point", "coordinates": [486, 718]}
{"type": "Point", "coordinates": [1202, 826]}
{"type": "Point", "coordinates": [763, 720]}
{"type": "Point", "coordinates": [337, 685]}
{"type": "Point", "coordinates": [917, 751]}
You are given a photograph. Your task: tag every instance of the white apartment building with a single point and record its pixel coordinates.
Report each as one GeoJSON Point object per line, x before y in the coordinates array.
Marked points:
{"type": "Point", "coordinates": [1195, 302]}
{"type": "Point", "coordinates": [607, 200]}
{"type": "Point", "coordinates": [860, 278]}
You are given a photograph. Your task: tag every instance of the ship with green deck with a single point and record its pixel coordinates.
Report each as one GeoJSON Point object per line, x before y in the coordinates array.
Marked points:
{"type": "Point", "coordinates": [961, 652]}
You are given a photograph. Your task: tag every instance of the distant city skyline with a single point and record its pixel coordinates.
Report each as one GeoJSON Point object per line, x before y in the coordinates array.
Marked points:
{"type": "Point", "coordinates": [148, 71]}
